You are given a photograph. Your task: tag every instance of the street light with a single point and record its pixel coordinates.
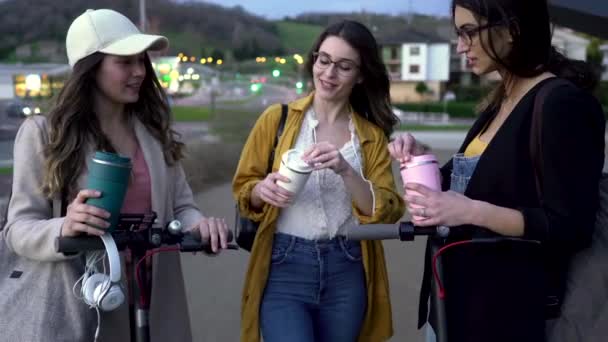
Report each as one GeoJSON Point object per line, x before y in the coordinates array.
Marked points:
{"type": "Point", "coordinates": [298, 58]}
{"type": "Point", "coordinates": [164, 68]}
{"type": "Point", "coordinates": [255, 87]}
{"type": "Point", "coordinates": [142, 15]}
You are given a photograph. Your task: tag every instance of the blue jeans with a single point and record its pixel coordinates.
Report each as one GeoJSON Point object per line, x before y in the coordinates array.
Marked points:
{"type": "Point", "coordinates": [315, 291]}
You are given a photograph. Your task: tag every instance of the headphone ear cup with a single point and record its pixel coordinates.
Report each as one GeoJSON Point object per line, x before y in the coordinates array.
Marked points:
{"type": "Point", "coordinates": [90, 285]}
{"type": "Point", "coordinates": [112, 298]}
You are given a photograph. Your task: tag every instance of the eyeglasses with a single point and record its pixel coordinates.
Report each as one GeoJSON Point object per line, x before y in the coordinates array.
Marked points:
{"type": "Point", "coordinates": [467, 34]}
{"type": "Point", "coordinates": [345, 67]}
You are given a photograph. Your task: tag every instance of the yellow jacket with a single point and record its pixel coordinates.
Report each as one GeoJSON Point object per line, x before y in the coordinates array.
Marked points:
{"type": "Point", "coordinates": [389, 208]}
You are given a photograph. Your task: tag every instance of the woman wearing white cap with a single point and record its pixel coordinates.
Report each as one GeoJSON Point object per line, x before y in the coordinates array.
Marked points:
{"type": "Point", "coordinates": [112, 101]}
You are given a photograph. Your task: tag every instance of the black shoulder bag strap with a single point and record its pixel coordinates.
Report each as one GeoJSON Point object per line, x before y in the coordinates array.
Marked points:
{"type": "Point", "coordinates": [280, 128]}
{"type": "Point", "coordinates": [553, 300]}
{"type": "Point", "coordinates": [536, 130]}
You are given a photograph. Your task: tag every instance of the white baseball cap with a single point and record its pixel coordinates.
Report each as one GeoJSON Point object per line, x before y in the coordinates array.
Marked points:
{"type": "Point", "coordinates": [110, 32]}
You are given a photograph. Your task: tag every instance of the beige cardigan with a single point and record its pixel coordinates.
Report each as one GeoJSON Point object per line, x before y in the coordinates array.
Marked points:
{"type": "Point", "coordinates": [39, 304]}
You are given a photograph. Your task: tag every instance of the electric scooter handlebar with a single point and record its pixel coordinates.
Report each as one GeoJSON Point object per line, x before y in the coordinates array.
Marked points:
{"type": "Point", "coordinates": [172, 234]}
{"type": "Point", "coordinates": [404, 231]}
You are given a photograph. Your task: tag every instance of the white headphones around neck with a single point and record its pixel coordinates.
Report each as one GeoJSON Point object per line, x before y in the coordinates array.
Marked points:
{"type": "Point", "coordinates": [99, 290]}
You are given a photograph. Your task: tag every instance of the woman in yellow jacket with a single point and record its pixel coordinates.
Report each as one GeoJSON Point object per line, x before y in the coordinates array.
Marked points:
{"type": "Point", "coordinates": [306, 281]}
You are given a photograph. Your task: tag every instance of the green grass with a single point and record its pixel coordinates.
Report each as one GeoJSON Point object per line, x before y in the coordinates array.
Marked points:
{"type": "Point", "coordinates": [6, 170]}
{"type": "Point", "coordinates": [406, 127]}
{"type": "Point", "coordinates": [244, 100]}
{"type": "Point", "coordinates": [191, 113]}
{"type": "Point", "coordinates": [210, 163]}
{"type": "Point", "coordinates": [207, 164]}
{"type": "Point", "coordinates": [298, 37]}
{"type": "Point", "coordinates": [234, 126]}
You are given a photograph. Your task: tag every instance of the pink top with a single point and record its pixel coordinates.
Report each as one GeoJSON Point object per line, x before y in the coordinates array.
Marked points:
{"type": "Point", "coordinates": [138, 199]}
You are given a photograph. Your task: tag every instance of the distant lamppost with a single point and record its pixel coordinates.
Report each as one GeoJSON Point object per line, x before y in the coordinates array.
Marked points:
{"type": "Point", "coordinates": [142, 15]}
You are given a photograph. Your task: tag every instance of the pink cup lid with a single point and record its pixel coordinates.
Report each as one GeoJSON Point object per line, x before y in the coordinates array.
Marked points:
{"type": "Point", "coordinates": [419, 160]}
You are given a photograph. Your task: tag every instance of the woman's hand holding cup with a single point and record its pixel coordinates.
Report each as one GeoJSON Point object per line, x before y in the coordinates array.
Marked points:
{"type": "Point", "coordinates": [405, 146]}
{"type": "Point", "coordinates": [85, 218]}
{"type": "Point", "coordinates": [267, 191]}
{"type": "Point", "coordinates": [294, 168]}
{"type": "Point", "coordinates": [431, 207]}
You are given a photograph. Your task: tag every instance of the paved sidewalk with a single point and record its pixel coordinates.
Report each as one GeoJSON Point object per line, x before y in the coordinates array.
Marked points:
{"type": "Point", "coordinates": [214, 285]}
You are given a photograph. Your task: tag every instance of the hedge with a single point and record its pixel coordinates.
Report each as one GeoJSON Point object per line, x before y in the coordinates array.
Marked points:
{"type": "Point", "coordinates": [602, 93]}
{"type": "Point", "coordinates": [454, 108]}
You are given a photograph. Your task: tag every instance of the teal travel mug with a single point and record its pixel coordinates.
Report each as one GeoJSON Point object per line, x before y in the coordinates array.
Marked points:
{"type": "Point", "coordinates": [109, 174]}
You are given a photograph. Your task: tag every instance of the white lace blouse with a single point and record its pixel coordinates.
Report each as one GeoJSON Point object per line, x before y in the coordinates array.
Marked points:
{"type": "Point", "coordinates": [323, 208]}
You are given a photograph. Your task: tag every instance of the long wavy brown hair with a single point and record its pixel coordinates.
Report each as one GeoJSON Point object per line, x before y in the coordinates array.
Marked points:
{"type": "Point", "coordinates": [73, 125]}
{"type": "Point", "coordinates": [528, 23]}
{"type": "Point", "coordinates": [370, 98]}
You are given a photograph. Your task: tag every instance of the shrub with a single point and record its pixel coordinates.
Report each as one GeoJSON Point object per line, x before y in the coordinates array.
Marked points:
{"type": "Point", "coordinates": [456, 109]}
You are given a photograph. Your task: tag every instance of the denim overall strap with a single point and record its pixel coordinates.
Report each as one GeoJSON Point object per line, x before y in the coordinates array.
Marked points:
{"type": "Point", "coordinates": [462, 170]}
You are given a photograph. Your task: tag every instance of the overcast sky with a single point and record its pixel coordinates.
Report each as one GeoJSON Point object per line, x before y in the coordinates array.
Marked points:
{"type": "Point", "coordinates": [275, 9]}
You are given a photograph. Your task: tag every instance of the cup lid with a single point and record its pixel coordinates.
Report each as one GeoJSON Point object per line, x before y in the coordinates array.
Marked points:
{"type": "Point", "coordinates": [419, 160]}
{"type": "Point", "coordinates": [293, 160]}
{"type": "Point", "coordinates": [111, 159]}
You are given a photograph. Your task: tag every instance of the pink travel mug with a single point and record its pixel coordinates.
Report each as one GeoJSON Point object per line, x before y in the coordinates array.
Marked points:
{"type": "Point", "coordinates": [423, 169]}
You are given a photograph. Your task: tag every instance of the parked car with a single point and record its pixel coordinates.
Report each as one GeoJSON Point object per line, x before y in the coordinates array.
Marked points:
{"type": "Point", "coordinates": [20, 109]}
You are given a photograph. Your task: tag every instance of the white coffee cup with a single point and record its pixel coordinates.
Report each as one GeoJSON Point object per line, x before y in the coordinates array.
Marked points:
{"type": "Point", "coordinates": [294, 168]}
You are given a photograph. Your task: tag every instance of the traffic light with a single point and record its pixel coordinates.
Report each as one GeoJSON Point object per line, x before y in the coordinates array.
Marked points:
{"type": "Point", "coordinates": [276, 73]}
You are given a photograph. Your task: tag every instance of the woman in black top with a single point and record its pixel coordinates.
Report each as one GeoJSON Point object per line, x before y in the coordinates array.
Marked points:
{"type": "Point", "coordinates": [503, 183]}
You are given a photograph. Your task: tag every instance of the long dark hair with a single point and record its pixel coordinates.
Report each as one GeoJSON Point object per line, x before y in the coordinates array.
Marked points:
{"type": "Point", "coordinates": [371, 97]}
{"type": "Point", "coordinates": [532, 54]}
{"type": "Point", "coordinates": [74, 125]}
